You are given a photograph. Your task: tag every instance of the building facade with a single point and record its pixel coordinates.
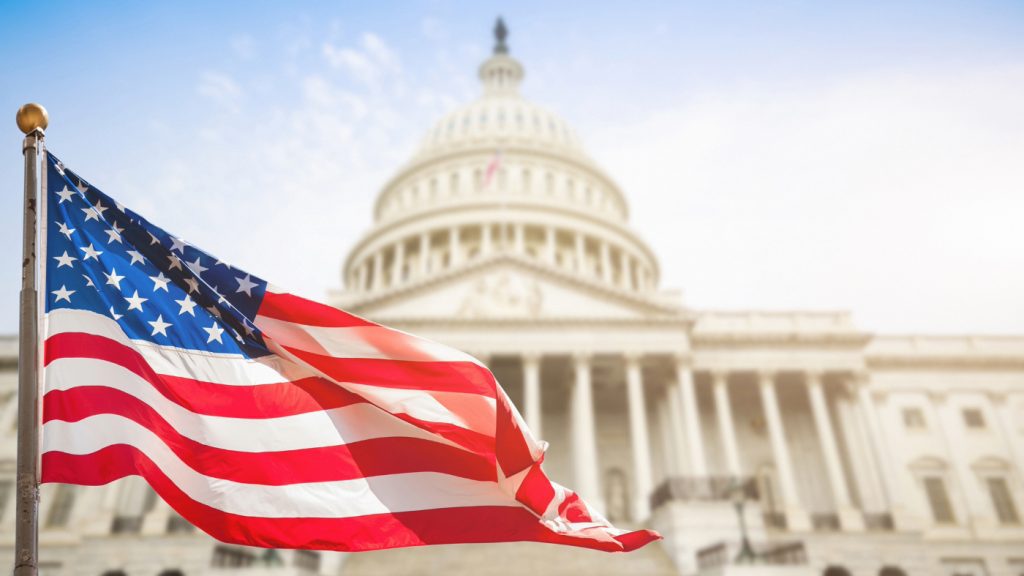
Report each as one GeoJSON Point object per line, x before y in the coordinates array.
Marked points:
{"type": "Point", "coordinates": [839, 451]}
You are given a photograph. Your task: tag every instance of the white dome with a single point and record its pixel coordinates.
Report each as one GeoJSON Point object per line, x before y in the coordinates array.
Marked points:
{"type": "Point", "coordinates": [500, 177]}
{"type": "Point", "coordinates": [501, 118]}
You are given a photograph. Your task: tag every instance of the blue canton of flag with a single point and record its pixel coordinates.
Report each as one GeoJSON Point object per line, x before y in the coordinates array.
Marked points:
{"type": "Point", "coordinates": [104, 258]}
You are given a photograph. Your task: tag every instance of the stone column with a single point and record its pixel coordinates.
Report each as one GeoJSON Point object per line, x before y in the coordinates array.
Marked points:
{"type": "Point", "coordinates": [627, 271]}
{"type": "Point", "coordinates": [976, 511]}
{"type": "Point", "coordinates": [723, 410]}
{"type": "Point", "coordinates": [606, 262]}
{"type": "Point", "coordinates": [378, 270]}
{"type": "Point", "coordinates": [581, 253]}
{"type": "Point", "coordinates": [454, 247]}
{"type": "Point", "coordinates": [849, 518]}
{"type": "Point", "coordinates": [584, 435]}
{"type": "Point", "coordinates": [796, 517]}
{"type": "Point", "coordinates": [550, 245]}
{"type": "Point", "coordinates": [425, 253]}
{"type": "Point", "coordinates": [485, 239]}
{"type": "Point", "coordinates": [889, 473]}
{"type": "Point", "coordinates": [531, 393]}
{"type": "Point", "coordinates": [638, 434]}
{"type": "Point", "coordinates": [1005, 423]}
{"type": "Point", "coordinates": [674, 399]}
{"type": "Point", "coordinates": [691, 418]}
{"type": "Point", "coordinates": [398, 264]}
{"type": "Point", "coordinates": [519, 239]}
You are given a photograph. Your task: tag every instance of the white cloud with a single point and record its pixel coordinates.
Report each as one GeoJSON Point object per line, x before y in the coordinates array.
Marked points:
{"type": "Point", "coordinates": [220, 88]}
{"type": "Point", "coordinates": [896, 195]}
{"type": "Point", "coordinates": [368, 64]}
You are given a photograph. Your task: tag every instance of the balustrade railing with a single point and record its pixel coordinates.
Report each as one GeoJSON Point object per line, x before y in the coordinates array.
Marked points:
{"type": "Point", "coordinates": [776, 554]}
{"type": "Point", "coordinates": [825, 521]}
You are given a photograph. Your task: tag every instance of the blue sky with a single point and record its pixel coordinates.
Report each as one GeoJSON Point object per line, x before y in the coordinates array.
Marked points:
{"type": "Point", "coordinates": [788, 155]}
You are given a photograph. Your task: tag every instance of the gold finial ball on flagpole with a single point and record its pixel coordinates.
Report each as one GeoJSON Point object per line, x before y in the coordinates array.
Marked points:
{"type": "Point", "coordinates": [32, 116]}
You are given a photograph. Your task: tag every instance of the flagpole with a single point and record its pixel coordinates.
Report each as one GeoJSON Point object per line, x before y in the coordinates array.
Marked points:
{"type": "Point", "coordinates": [32, 120]}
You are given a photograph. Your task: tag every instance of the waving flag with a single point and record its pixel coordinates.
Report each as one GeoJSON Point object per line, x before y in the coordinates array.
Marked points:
{"type": "Point", "coordinates": [269, 420]}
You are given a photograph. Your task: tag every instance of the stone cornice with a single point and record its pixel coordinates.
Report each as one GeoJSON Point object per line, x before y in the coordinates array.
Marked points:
{"type": "Point", "coordinates": [629, 297]}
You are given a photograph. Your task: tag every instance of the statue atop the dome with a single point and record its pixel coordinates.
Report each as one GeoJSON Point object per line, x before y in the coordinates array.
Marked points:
{"type": "Point", "coordinates": [500, 33]}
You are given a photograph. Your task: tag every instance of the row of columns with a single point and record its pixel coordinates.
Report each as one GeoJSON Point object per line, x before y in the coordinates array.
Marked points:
{"type": "Point", "coordinates": [686, 429]}
{"type": "Point", "coordinates": [370, 274]}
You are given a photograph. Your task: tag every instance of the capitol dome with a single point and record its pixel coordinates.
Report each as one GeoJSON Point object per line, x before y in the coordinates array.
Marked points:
{"type": "Point", "coordinates": [500, 178]}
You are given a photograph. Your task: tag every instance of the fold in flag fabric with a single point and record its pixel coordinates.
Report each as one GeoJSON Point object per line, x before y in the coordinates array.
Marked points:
{"type": "Point", "coordinates": [269, 420]}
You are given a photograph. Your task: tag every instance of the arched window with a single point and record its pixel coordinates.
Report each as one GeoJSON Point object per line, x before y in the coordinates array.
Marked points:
{"type": "Point", "coordinates": [891, 571]}
{"type": "Point", "coordinates": [836, 571]}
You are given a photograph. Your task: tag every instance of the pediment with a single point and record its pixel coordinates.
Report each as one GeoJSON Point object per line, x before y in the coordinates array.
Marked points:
{"type": "Point", "coordinates": [506, 287]}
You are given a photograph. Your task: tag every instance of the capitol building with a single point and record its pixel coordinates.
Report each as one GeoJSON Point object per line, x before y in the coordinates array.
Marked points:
{"type": "Point", "coordinates": [832, 450]}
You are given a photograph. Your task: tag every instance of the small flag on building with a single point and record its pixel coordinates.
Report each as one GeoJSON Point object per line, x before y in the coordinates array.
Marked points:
{"type": "Point", "coordinates": [269, 420]}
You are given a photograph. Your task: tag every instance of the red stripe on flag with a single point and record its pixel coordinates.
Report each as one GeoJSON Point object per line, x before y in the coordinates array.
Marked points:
{"type": "Point", "coordinates": [291, 308]}
{"type": "Point", "coordinates": [254, 401]}
{"type": "Point", "coordinates": [439, 376]}
{"type": "Point", "coordinates": [375, 457]}
{"type": "Point", "coordinates": [372, 532]}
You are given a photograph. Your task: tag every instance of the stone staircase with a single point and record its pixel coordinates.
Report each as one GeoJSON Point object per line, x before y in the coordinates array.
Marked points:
{"type": "Point", "coordinates": [529, 558]}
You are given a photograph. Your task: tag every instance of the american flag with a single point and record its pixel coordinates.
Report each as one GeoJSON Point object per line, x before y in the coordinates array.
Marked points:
{"type": "Point", "coordinates": [269, 420]}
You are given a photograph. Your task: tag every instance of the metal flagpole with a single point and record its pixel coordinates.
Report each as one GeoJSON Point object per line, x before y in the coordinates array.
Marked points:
{"type": "Point", "coordinates": [32, 120]}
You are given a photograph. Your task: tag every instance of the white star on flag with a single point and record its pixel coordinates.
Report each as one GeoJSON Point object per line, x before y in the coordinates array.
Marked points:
{"type": "Point", "coordinates": [65, 230]}
{"type": "Point", "coordinates": [63, 294]}
{"type": "Point", "coordinates": [135, 302]}
{"type": "Point", "coordinates": [246, 285]}
{"type": "Point", "coordinates": [114, 234]}
{"type": "Point", "coordinates": [64, 260]}
{"type": "Point", "coordinates": [187, 305]}
{"type": "Point", "coordinates": [136, 257]}
{"type": "Point", "coordinates": [197, 267]}
{"type": "Point", "coordinates": [159, 326]}
{"type": "Point", "coordinates": [160, 282]}
{"type": "Point", "coordinates": [113, 279]}
{"type": "Point", "coordinates": [65, 194]}
{"type": "Point", "coordinates": [91, 252]}
{"type": "Point", "coordinates": [175, 261]}
{"type": "Point", "coordinates": [214, 331]}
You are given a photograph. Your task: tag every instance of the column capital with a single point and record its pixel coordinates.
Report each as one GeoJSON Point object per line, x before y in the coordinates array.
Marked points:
{"type": "Point", "coordinates": [937, 396]}
{"type": "Point", "coordinates": [582, 357]}
{"type": "Point", "coordinates": [766, 376]}
{"type": "Point", "coordinates": [719, 376]}
{"type": "Point", "coordinates": [633, 356]}
{"type": "Point", "coordinates": [531, 357]}
{"type": "Point", "coordinates": [683, 359]}
{"type": "Point", "coordinates": [814, 377]}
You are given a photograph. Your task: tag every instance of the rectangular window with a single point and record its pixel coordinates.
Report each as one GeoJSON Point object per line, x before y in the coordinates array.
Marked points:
{"type": "Point", "coordinates": [60, 510]}
{"type": "Point", "coordinates": [913, 419]}
{"type": "Point", "coordinates": [973, 418]}
{"type": "Point", "coordinates": [938, 500]}
{"type": "Point", "coordinates": [1002, 501]}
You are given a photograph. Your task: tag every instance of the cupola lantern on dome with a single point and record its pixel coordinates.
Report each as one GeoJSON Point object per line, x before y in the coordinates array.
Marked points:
{"type": "Point", "coordinates": [501, 74]}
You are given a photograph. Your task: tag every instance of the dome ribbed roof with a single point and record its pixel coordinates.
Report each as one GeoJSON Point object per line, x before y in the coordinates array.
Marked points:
{"type": "Point", "coordinates": [501, 117]}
